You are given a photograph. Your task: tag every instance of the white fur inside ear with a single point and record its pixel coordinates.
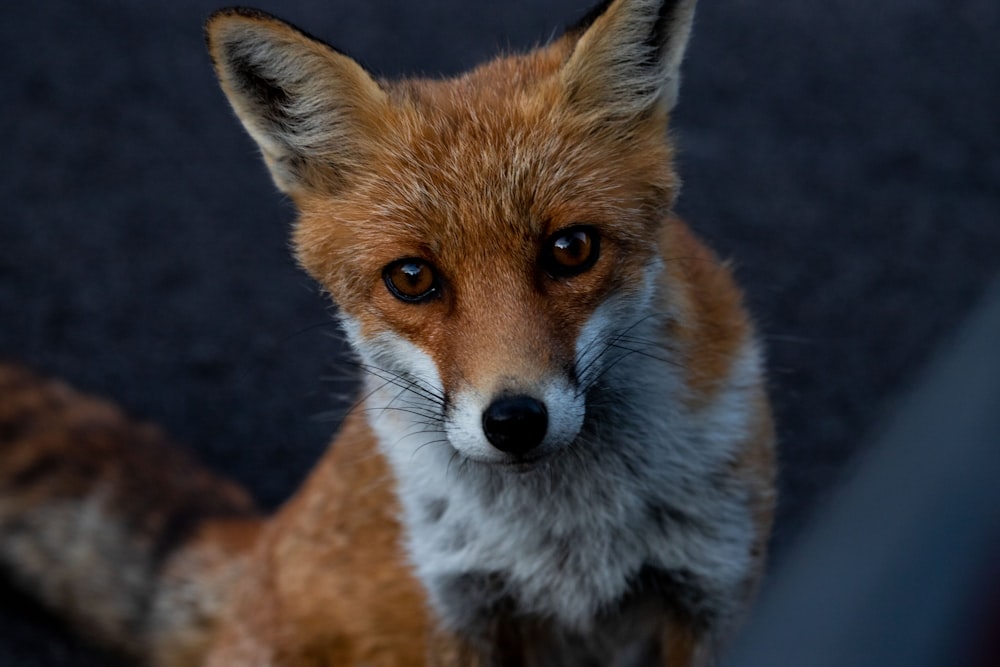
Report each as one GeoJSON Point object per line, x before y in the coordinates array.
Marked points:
{"type": "Point", "coordinates": [300, 100]}
{"type": "Point", "coordinates": [628, 61]}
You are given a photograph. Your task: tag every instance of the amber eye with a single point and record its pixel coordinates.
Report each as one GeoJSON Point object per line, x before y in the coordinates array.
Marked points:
{"type": "Point", "coordinates": [571, 251]}
{"type": "Point", "coordinates": [411, 280]}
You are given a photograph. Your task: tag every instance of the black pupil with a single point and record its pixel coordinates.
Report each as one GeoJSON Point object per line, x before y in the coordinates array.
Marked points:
{"type": "Point", "coordinates": [411, 280]}
{"type": "Point", "coordinates": [413, 275]}
{"type": "Point", "coordinates": [573, 246]}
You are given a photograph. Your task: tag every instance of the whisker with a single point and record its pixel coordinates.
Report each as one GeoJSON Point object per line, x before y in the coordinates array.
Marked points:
{"type": "Point", "coordinates": [364, 398]}
{"type": "Point", "coordinates": [412, 380]}
{"type": "Point", "coordinates": [429, 417]}
{"type": "Point", "coordinates": [608, 345]}
{"type": "Point", "coordinates": [604, 371]}
{"type": "Point", "coordinates": [631, 350]}
{"type": "Point", "coordinates": [408, 383]}
{"type": "Point", "coordinates": [439, 441]}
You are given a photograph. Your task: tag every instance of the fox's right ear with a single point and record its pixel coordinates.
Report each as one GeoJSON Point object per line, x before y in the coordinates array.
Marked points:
{"type": "Point", "coordinates": [627, 57]}
{"type": "Point", "coordinates": [312, 110]}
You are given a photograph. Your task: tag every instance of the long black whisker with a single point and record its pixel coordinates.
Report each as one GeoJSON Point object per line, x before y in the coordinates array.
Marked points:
{"type": "Point", "coordinates": [632, 350]}
{"type": "Point", "coordinates": [364, 397]}
{"type": "Point", "coordinates": [439, 441]}
{"type": "Point", "coordinates": [389, 406]}
{"type": "Point", "coordinates": [415, 383]}
{"type": "Point", "coordinates": [404, 382]}
{"type": "Point", "coordinates": [608, 345]}
{"type": "Point", "coordinates": [607, 368]}
{"type": "Point", "coordinates": [429, 418]}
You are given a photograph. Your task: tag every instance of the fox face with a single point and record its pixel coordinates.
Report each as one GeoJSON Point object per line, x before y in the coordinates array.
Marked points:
{"type": "Point", "coordinates": [492, 289]}
{"type": "Point", "coordinates": [490, 238]}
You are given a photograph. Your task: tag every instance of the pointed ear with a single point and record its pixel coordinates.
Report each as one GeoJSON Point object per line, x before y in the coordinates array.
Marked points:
{"type": "Point", "coordinates": [312, 110]}
{"type": "Point", "coordinates": [627, 57]}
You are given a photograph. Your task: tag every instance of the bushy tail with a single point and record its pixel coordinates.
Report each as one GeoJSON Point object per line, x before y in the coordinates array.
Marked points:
{"type": "Point", "coordinates": [112, 527]}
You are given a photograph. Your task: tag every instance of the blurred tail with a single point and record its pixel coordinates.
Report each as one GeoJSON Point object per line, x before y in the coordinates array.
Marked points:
{"type": "Point", "coordinates": [110, 526]}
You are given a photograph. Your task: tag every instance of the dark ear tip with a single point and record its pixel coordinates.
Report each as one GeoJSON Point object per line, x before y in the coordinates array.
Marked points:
{"type": "Point", "coordinates": [252, 16]}
{"type": "Point", "coordinates": [214, 30]}
{"type": "Point", "coordinates": [246, 13]}
{"type": "Point", "coordinates": [587, 20]}
{"type": "Point", "coordinates": [241, 12]}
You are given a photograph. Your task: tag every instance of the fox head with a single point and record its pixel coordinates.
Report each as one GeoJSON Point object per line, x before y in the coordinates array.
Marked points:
{"type": "Point", "coordinates": [487, 238]}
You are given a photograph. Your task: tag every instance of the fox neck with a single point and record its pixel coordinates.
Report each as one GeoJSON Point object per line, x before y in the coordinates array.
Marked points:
{"type": "Point", "coordinates": [572, 537]}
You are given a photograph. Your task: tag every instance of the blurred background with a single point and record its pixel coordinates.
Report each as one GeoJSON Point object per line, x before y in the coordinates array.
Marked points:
{"type": "Point", "coordinates": [844, 155]}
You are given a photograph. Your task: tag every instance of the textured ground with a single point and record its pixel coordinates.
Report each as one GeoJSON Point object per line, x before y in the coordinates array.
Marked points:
{"type": "Point", "coordinates": [845, 154]}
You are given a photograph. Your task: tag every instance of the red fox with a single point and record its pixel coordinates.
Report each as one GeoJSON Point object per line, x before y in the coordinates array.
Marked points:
{"type": "Point", "coordinates": [563, 453]}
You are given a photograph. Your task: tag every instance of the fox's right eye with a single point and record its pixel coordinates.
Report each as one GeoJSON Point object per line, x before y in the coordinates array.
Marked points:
{"type": "Point", "coordinates": [571, 251]}
{"type": "Point", "coordinates": [411, 280]}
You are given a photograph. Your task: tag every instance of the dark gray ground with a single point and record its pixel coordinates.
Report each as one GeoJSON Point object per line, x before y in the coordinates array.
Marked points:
{"type": "Point", "coordinates": [845, 154]}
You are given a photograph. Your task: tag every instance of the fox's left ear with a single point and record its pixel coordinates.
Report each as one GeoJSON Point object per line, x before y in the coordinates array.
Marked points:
{"type": "Point", "coordinates": [314, 112]}
{"type": "Point", "coordinates": [627, 57]}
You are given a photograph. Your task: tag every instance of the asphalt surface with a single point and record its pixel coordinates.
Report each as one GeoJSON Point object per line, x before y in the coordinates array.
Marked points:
{"type": "Point", "coordinates": [844, 155]}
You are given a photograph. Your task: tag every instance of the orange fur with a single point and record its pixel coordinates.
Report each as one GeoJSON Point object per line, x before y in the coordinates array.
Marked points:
{"type": "Point", "coordinates": [469, 175]}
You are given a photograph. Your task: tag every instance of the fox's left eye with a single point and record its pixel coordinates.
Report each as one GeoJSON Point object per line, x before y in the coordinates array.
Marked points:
{"type": "Point", "coordinates": [412, 280]}
{"type": "Point", "coordinates": [571, 251]}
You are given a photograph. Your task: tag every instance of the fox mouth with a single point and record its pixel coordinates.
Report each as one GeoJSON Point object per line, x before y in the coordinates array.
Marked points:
{"type": "Point", "coordinates": [526, 463]}
{"type": "Point", "coordinates": [519, 464]}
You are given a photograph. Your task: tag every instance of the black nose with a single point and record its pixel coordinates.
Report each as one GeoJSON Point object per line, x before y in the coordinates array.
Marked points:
{"type": "Point", "coordinates": [516, 424]}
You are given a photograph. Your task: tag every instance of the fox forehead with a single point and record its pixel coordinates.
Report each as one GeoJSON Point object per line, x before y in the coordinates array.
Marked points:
{"type": "Point", "coordinates": [490, 164]}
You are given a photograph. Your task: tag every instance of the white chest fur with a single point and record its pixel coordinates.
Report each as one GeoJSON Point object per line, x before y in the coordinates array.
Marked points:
{"type": "Point", "coordinates": [643, 487]}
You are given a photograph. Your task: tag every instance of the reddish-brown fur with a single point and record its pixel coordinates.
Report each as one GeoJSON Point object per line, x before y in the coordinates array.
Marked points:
{"type": "Point", "coordinates": [326, 580]}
